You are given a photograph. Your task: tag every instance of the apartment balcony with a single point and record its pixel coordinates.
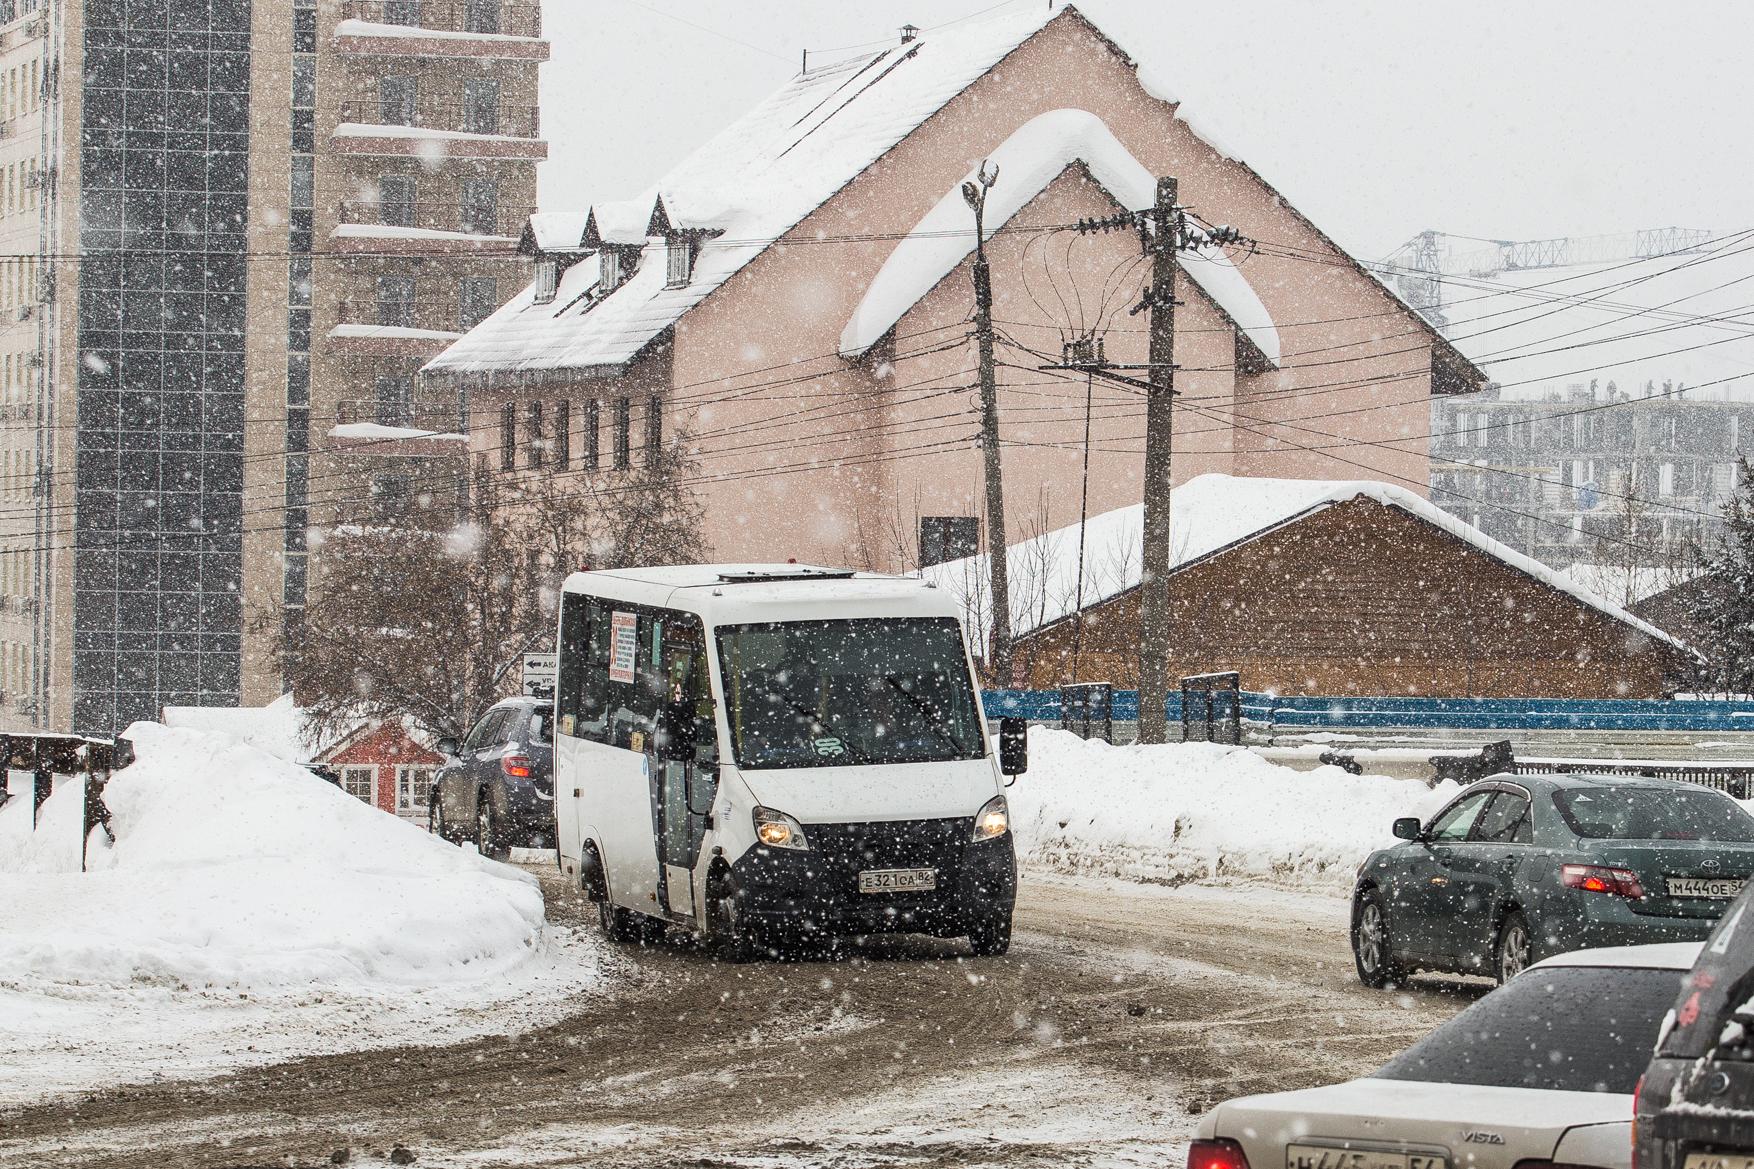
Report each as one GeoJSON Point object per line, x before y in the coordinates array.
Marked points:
{"type": "Point", "coordinates": [396, 429]}
{"type": "Point", "coordinates": [368, 228]}
{"type": "Point", "coordinates": [438, 129]}
{"type": "Point", "coordinates": [483, 29]}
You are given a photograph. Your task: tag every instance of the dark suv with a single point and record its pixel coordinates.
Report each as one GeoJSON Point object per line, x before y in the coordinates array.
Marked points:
{"type": "Point", "coordinates": [1696, 1102]}
{"type": "Point", "coordinates": [497, 787]}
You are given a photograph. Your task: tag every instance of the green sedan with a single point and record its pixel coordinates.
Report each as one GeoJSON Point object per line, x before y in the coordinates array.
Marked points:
{"type": "Point", "coordinates": [1520, 868]}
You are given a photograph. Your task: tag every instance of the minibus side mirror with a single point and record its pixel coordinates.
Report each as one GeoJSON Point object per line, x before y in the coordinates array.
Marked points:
{"type": "Point", "coordinates": [448, 747]}
{"type": "Point", "coordinates": [1407, 828]}
{"type": "Point", "coordinates": [1013, 746]}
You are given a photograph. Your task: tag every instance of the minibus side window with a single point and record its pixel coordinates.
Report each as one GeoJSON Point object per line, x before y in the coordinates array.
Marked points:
{"type": "Point", "coordinates": [575, 630]}
{"type": "Point", "coordinates": [593, 722]}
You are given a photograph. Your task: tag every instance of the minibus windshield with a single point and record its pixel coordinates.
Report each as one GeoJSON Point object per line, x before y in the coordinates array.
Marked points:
{"type": "Point", "coordinates": [844, 693]}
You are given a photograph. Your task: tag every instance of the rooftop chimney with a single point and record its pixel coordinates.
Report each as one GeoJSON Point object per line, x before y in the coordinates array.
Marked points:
{"type": "Point", "coordinates": [909, 32]}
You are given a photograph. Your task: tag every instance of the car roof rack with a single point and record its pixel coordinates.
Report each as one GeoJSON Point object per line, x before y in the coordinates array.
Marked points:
{"type": "Point", "coordinates": [766, 576]}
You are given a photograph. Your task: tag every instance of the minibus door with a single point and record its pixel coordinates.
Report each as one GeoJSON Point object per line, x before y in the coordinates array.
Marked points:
{"type": "Point", "coordinates": [688, 772]}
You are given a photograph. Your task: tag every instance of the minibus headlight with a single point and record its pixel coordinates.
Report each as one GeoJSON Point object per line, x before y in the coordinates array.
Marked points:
{"type": "Point", "coordinates": [993, 820]}
{"type": "Point", "coordinates": [778, 830]}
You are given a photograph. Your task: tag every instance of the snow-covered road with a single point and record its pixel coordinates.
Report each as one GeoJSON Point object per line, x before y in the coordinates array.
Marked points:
{"type": "Point", "coordinates": [1122, 1012]}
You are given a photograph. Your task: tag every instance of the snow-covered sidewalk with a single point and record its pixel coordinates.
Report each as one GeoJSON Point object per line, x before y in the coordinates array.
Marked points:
{"type": "Point", "coordinates": [247, 912]}
{"type": "Point", "coordinates": [1200, 812]}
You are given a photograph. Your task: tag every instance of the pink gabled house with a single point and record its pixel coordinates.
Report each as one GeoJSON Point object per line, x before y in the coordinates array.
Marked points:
{"type": "Point", "coordinates": [794, 301]}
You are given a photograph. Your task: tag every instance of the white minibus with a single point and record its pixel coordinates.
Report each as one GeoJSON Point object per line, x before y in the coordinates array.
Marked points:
{"type": "Point", "coordinates": [767, 754]}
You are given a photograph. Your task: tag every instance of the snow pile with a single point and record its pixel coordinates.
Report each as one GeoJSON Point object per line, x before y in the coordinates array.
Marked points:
{"type": "Point", "coordinates": [1198, 811]}
{"type": "Point", "coordinates": [249, 906]}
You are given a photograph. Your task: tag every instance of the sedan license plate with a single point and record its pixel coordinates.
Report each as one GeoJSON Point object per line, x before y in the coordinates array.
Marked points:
{"type": "Point", "coordinates": [1716, 888]}
{"type": "Point", "coordinates": [1328, 1157]}
{"type": "Point", "coordinates": [898, 880]}
{"type": "Point", "coordinates": [1718, 1161]}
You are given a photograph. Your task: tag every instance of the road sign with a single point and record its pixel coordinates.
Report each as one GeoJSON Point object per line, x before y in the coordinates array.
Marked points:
{"type": "Point", "coordinates": [540, 671]}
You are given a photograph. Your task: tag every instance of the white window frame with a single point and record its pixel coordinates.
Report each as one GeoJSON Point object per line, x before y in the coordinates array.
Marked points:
{"type": "Point", "coordinates": [547, 280]}
{"type": "Point", "coordinates": [350, 775]}
{"type": "Point", "coordinates": [679, 261]}
{"type": "Point", "coordinates": [413, 783]}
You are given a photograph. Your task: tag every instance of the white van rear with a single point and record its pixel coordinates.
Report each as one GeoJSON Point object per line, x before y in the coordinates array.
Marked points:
{"type": "Point", "coordinates": [773, 752]}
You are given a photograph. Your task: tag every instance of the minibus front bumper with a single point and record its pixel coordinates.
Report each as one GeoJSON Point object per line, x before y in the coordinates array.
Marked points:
{"type": "Point", "coordinates": [818, 891]}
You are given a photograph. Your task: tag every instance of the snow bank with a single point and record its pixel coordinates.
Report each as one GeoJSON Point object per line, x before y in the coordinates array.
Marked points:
{"type": "Point", "coordinates": [243, 885]}
{"type": "Point", "coordinates": [1197, 811]}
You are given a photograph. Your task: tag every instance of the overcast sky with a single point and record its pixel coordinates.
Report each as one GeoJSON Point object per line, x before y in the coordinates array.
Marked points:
{"type": "Point", "coordinates": [1497, 119]}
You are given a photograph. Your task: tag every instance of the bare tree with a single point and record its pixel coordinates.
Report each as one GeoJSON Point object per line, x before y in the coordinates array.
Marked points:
{"type": "Point", "coordinates": [423, 620]}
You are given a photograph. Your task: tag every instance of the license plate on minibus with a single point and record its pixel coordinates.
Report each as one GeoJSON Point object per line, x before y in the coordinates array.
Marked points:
{"type": "Point", "coordinates": [898, 880]}
{"type": "Point", "coordinates": [1327, 1157]}
{"type": "Point", "coordinates": [1717, 888]}
{"type": "Point", "coordinates": [1718, 1161]}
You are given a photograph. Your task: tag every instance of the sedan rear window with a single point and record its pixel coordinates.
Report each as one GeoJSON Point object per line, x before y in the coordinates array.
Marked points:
{"type": "Point", "coordinates": [1646, 813]}
{"type": "Point", "coordinates": [1565, 1029]}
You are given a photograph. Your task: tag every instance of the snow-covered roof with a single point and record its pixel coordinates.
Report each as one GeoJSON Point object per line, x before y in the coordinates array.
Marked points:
{"type": "Point", "coordinates": [558, 231]}
{"type": "Point", "coordinates": [759, 178]}
{"type": "Point", "coordinates": [1032, 157]}
{"type": "Point", "coordinates": [1681, 318]}
{"type": "Point", "coordinates": [1209, 514]}
{"type": "Point", "coordinates": [753, 182]}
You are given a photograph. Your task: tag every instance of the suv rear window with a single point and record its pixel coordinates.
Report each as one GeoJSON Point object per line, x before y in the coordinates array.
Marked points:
{"type": "Point", "coordinates": [1565, 1029]}
{"type": "Point", "coordinates": [1646, 813]}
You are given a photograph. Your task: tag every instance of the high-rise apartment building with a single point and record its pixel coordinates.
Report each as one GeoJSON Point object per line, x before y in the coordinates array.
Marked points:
{"type": "Point", "coordinates": [230, 231]}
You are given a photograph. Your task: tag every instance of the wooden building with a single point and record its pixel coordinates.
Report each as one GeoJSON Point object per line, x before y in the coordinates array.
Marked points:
{"type": "Point", "coordinates": [1311, 587]}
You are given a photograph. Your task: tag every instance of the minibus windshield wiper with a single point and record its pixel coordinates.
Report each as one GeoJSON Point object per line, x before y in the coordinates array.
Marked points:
{"type": "Point", "coordinates": [932, 717]}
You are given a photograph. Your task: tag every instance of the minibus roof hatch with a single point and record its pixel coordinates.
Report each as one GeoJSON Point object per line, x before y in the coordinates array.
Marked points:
{"type": "Point", "coordinates": [764, 576]}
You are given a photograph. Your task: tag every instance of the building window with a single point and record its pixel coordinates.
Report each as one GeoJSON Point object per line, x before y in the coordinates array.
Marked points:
{"type": "Point", "coordinates": [679, 256]}
{"type": "Point", "coordinates": [304, 83]}
{"type": "Point", "coordinates": [304, 30]}
{"type": "Point", "coordinates": [303, 182]}
{"type": "Point", "coordinates": [478, 207]}
{"type": "Point", "coordinates": [590, 424]}
{"type": "Point", "coordinates": [396, 301]}
{"type": "Point", "coordinates": [547, 280]}
{"type": "Point", "coordinates": [612, 270]}
{"type": "Point", "coordinates": [396, 196]}
{"type": "Point", "coordinates": [508, 437]}
{"type": "Point", "coordinates": [562, 434]}
{"type": "Point", "coordinates": [413, 789]}
{"type": "Point", "coordinates": [623, 435]}
{"type": "Point", "coordinates": [394, 403]}
{"type": "Point", "coordinates": [298, 281]}
{"type": "Point", "coordinates": [537, 440]}
{"type": "Point", "coordinates": [654, 429]}
{"type": "Point", "coordinates": [396, 100]}
{"type": "Point", "coordinates": [477, 298]}
{"type": "Point", "coordinates": [402, 12]}
{"type": "Point", "coordinates": [481, 16]}
{"type": "Point", "coordinates": [947, 537]}
{"type": "Point", "coordinates": [392, 493]}
{"type": "Point", "coordinates": [360, 782]}
{"type": "Point", "coordinates": [481, 105]}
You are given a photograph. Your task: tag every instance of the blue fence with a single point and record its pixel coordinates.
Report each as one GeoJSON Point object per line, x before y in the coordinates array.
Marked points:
{"type": "Point", "coordinates": [1528, 714]}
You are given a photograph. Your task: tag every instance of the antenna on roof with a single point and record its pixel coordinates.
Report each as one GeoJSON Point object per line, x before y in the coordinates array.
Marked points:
{"type": "Point", "coordinates": [804, 67]}
{"type": "Point", "coordinates": [909, 32]}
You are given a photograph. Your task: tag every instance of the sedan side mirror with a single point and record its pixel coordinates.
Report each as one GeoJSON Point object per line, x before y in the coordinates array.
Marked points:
{"type": "Point", "coordinates": [1407, 828]}
{"type": "Point", "coordinates": [1013, 746]}
{"type": "Point", "coordinates": [448, 747]}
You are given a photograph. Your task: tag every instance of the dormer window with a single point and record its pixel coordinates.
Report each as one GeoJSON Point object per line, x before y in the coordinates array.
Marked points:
{"type": "Point", "coordinates": [680, 259]}
{"type": "Point", "coordinates": [547, 280]}
{"type": "Point", "coordinates": [612, 270]}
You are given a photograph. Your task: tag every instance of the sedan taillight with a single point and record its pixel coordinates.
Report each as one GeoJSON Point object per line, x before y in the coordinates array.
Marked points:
{"type": "Point", "coordinates": [1217, 1154]}
{"type": "Point", "coordinates": [516, 766]}
{"type": "Point", "coordinates": [1602, 879]}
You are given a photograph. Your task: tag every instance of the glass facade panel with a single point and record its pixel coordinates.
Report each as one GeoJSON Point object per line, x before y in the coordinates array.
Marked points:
{"type": "Point", "coordinates": [159, 473]}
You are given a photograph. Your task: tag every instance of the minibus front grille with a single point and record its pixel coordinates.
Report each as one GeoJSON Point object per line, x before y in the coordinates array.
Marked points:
{"type": "Point", "coordinates": [843, 851]}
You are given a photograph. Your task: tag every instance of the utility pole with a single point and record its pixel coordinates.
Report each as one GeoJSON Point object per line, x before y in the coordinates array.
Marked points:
{"type": "Point", "coordinates": [997, 546]}
{"type": "Point", "coordinates": [1159, 429]}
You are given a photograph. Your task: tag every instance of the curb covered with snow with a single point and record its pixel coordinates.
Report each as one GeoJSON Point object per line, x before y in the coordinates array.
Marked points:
{"type": "Point", "coordinates": [249, 910]}
{"type": "Point", "coordinates": [1200, 811]}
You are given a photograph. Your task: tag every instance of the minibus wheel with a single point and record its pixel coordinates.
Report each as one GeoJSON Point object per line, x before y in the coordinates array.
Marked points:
{"type": "Point", "coordinates": [727, 932]}
{"type": "Point", "coordinates": [990, 936]}
{"type": "Point", "coordinates": [619, 925]}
